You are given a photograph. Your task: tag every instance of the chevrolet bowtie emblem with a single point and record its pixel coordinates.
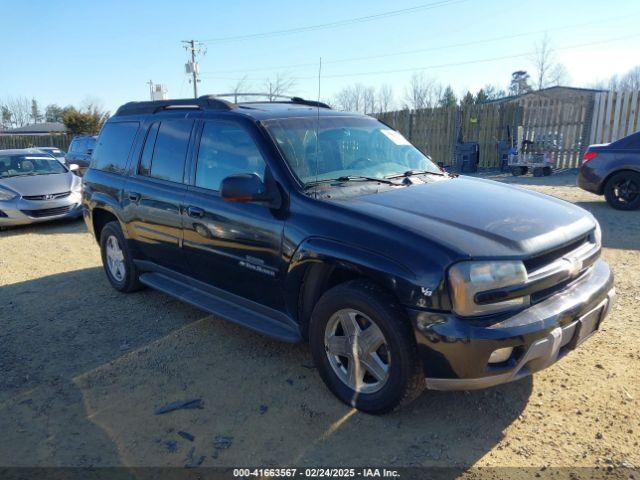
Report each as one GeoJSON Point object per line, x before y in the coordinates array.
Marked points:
{"type": "Point", "coordinates": [575, 265]}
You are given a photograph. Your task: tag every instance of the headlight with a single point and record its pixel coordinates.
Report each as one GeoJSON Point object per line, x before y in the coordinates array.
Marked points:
{"type": "Point", "coordinates": [6, 194]}
{"type": "Point", "coordinates": [597, 234]}
{"type": "Point", "coordinates": [469, 278]}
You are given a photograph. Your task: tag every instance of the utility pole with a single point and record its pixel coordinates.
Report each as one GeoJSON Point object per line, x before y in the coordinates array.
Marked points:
{"type": "Point", "coordinates": [194, 47]}
{"type": "Point", "coordinates": [150, 83]}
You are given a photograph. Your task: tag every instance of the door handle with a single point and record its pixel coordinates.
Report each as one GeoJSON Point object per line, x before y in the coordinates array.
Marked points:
{"type": "Point", "coordinates": [134, 196]}
{"type": "Point", "coordinates": [195, 212]}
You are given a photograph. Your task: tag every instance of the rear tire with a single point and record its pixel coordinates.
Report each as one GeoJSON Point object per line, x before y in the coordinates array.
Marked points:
{"type": "Point", "coordinates": [372, 308]}
{"type": "Point", "coordinates": [622, 191]}
{"type": "Point", "coordinates": [117, 260]}
{"type": "Point", "coordinates": [538, 172]}
{"type": "Point", "coordinates": [517, 171]}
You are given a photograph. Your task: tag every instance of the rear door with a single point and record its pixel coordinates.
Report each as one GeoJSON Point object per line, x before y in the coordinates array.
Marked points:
{"type": "Point", "coordinates": [154, 194]}
{"type": "Point", "coordinates": [232, 246]}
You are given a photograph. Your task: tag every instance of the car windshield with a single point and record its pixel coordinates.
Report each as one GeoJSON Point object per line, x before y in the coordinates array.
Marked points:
{"type": "Point", "coordinates": [347, 147]}
{"type": "Point", "coordinates": [21, 165]}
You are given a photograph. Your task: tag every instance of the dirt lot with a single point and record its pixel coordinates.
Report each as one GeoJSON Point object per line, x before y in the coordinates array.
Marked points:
{"type": "Point", "coordinates": [83, 368]}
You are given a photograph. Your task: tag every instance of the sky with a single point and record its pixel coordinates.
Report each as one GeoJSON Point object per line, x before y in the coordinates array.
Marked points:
{"type": "Point", "coordinates": [74, 52]}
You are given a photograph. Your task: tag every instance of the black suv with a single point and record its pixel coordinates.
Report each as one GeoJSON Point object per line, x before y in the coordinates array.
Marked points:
{"type": "Point", "coordinates": [304, 223]}
{"type": "Point", "coordinates": [80, 150]}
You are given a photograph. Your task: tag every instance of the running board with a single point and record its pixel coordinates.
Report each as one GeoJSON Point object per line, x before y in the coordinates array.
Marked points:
{"type": "Point", "coordinates": [226, 309]}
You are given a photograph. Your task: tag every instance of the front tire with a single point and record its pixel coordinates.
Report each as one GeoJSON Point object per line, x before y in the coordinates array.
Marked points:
{"type": "Point", "coordinates": [622, 191]}
{"type": "Point", "coordinates": [116, 259]}
{"type": "Point", "coordinates": [364, 348]}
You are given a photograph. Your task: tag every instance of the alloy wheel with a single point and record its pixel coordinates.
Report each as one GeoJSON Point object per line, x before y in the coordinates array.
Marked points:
{"type": "Point", "coordinates": [357, 351]}
{"type": "Point", "coordinates": [115, 259]}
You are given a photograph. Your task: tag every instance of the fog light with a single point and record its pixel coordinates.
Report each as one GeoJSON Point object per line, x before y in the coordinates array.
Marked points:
{"type": "Point", "coordinates": [501, 355]}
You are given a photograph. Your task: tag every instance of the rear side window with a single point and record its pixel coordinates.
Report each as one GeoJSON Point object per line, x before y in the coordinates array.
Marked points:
{"type": "Point", "coordinates": [164, 152]}
{"type": "Point", "coordinates": [113, 146]}
{"type": "Point", "coordinates": [76, 145]}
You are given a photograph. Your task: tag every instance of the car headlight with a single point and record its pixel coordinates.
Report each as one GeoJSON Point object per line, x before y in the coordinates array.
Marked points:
{"type": "Point", "coordinates": [6, 194]}
{"type": "Point", "coordinates": [470, 278]}
{"type": "Point", "coordinates": [597, 234]}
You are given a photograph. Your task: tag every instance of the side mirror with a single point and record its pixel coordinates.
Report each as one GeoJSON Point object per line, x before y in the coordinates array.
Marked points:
{"type": "Point", "coordinates": [74, 167]}
{"type": "Point", "coordinates": [244, 187]}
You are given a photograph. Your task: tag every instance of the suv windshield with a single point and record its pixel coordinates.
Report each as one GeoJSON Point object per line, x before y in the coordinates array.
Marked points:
{"type": "Point", "coordinates": [19, 165]}
{"type": "Point", "coordinates": [347, 147]}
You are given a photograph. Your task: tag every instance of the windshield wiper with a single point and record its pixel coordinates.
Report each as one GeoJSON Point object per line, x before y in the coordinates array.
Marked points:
{"type": "Point", "coordinates": [410, 173]}
{"type": "Point", "coordinates": [353, 178]}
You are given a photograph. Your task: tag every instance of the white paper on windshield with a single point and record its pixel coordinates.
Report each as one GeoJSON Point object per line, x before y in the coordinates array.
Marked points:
{"type": "Point", "coordinates": [395, 137]}
{"type": "Point", "coordinates": [39, 158]}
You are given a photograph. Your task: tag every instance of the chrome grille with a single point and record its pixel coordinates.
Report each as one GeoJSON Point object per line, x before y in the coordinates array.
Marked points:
{"type": "Point", "coordinates": [50, 196]}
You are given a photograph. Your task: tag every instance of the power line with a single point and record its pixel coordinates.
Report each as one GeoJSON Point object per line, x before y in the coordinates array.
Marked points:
{"type": "Point", "coordinates": [339, 23]}
{"type": "Point", "coordinates": [423, 50]}
{"type": "Point", "coordinates": [456, 64]}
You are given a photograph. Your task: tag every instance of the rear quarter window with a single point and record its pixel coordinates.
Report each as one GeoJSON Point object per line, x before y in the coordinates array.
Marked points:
{"type": "Point", "coordinates": [113, 146]}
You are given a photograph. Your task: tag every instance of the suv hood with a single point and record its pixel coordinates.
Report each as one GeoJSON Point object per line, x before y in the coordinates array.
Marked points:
{"type": "Point", "coordinates": [39, 184]}
{"type": "Point", "coordinates": [478, 218]}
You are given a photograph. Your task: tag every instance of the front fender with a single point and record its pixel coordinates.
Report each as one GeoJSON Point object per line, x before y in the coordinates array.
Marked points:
{"type": "Point", "coordinates": [399, 279]}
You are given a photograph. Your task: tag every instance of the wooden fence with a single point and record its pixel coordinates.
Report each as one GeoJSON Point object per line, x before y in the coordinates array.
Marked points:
{"type": "Point", "coordinates": [563, 126]}
{"type": "Point", "coordinates": [59, 140]}
{"type": "Point", "coordinates": [615, 115]}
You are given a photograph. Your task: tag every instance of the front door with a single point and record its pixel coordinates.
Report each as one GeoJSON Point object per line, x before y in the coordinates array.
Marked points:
{"type": "Point", "coordinates": [232, 246]}
{"type": "Point", "coordinates": [154, 195]}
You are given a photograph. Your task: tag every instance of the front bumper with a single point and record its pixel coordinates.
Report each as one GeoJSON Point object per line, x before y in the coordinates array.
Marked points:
{"type": "Point", "coordinates": [24, 212]}
{"type": "Point", "coordinates": [455, 351]}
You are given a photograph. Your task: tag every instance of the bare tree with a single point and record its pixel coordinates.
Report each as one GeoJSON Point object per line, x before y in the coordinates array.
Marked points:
{"type": "Point", "coordinates": [352, 98]}
{"type": "Point", "coordinates": [385, 98]}
{"type": "Point", "coordinates": [279, 85]}
{"type": "Point", "coordinates": [422, 92]}
{"type": "Point", "coordinates": [369, 100]}
{"type": "Point", "coordinates": [17, 110]}
{"type": "Point", "coordinates": [630, 80]}
{"type": "Point", "coordinates": [241, 86]}
{"type": "Point", "coordinates": [548, 72]}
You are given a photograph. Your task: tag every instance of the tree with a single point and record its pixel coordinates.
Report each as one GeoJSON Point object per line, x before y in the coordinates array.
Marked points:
{"type": "Point", "coordinates": [241, 86]}
{"type": "Point", "coordinates": [6, 119]}
{"type": "Point", "coordinates": [36, 115]}
{"type": "Point", "coordinates": [422, 92]}
{"type": "Point", "coordinates": [369, 100]}
{"type": "Point", "coordinates": [19, 111]}
{"type": "Point", "coordinates": [88, 121]}
{"type": "Point", "coordinates": [448, 98]}
{"type": "Point", "coordinates": [467, 100]}
{"type": "Point", "coordinates": [519, 83]}
{"type": "Point", "coordinates": [493, 92]}
{"type": "Point", "coordinates": [279, 85]}
{"type": "Point", "coordinates": [53, 113]}
{"type": "Point", "coordinates": [481, 97]}
{"type": "Point", "coordinates": [352, 98]}
{"type": "Point", "coordinates": [549, 72]}
{"type": "Point", "coordinates": [385, 98]}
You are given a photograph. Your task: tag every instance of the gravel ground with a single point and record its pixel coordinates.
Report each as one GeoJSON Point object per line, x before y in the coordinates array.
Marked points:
{"type": "Point", "coordinates": [83, 369]}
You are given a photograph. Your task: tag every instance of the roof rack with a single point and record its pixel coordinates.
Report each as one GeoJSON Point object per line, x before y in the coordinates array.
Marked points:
{"type": "Point", "coordinates": [271, 97]}
{"type": "Point", "coordinates": [205, 101]}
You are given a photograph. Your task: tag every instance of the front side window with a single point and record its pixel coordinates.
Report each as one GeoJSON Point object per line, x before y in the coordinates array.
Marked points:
{"type": "Point", "coordinates": [333, 147]}
{"type": "Point", "coordinates": [226, 149]}
{"type": "Point", "coordinates": [26, 165]}
{"type": "Point", "coordinates": [113, 146]}
{"type": "Point", "coordinates": [165, 159]}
